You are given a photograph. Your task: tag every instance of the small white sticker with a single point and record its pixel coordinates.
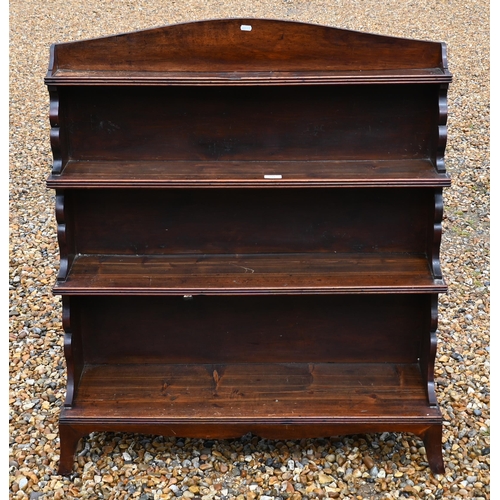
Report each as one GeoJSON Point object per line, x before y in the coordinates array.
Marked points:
{"type": "Point", "coordinates": [272, 176]}
{"type": "Point", "coordinates": [245, 27]}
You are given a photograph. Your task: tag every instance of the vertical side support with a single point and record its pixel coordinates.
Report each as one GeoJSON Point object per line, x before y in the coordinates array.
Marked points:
{"type": "Point", "coordinates": [59, 148]}
{"type": "Point", "coordinates": [62, 237]}
{"type": "Point", "coordinates": [73, 351]}
{"type": "Point", "coordinates": [428, 354]}
{"type": "Point", "coordinates": [65, 234]}
{"type": "Point", "coordinates": [55, 130]}
{"type": "Point", "coordinates": [435, 238]}
{"type": "Point", "coordinates": [442, 135]}
{"type": "Point", "coordinates": [442, 132]}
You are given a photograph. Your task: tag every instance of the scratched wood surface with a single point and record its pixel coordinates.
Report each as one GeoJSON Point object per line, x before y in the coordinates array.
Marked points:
{"type": "Point", "coordinates": [250, 274]}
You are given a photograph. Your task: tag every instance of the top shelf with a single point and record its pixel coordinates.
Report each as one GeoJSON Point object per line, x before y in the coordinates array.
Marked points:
{"type": "Point", "coordinates": [247, 52]}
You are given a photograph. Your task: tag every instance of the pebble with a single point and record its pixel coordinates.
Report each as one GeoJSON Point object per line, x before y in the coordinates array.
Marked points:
{"type": "Point", "coordinates": [134, 466]}
{"type": "Point", "coordinates": [324, 478]}
{"type": "Point", "coordinates": [368, 461]}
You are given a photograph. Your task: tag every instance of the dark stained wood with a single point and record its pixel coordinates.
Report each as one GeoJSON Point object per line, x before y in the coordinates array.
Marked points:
{"type": "Point", "coordinates": [272, 174]}
{"type": "Point", "coordinates": [263, 329]}
{"type": "Point", "coordinates": [250, 274]}
{"type": "Point", "coordinates": [427, 428]}
{"type": "Point", "coordinates": [73, 348]}
{"type": "Point", "coordinates": [428, 351]}
{"type": "Point", "coordinates": [156, 222]}
{"type": "Point", "coordinates": [253, 123]}
{"type": "Point", "coordinates": [433, 447]}
{"type": "Point", "coordinates": [252, 392]}
{"type": "Point", "coordinates": [221, 46]}
{"type": "Point", "coordinates": [227, 401]}
{"type": "Point", "coordinates": [249, 220]}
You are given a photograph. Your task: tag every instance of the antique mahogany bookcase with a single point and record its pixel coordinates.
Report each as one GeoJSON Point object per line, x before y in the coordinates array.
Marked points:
{"type": "Point", "coordinates": [249, 219]}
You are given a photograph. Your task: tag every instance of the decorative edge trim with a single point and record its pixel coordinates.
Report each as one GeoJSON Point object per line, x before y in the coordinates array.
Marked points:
{"type": "Point", "coordinates": [120, 291]}
{"type": "Point", "coordinates": [120, 424]}
{"type": "Point", "coordinates": [63, 182]}
{"type": "Point", "coordinates": [242, 80]}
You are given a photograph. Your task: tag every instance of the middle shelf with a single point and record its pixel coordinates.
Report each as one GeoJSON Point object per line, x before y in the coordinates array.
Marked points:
{"type": "Point", "coordinates": [250, 274]}
{"type": "Point", "coordinates": [305, 173]}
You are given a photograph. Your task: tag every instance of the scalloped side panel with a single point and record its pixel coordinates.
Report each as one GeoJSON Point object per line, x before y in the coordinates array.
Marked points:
{"type": "Point", "coordinates": [437, 233]}
{"type": "Point", "coordinates": [62, 236]}
{"type": "Point", "coordinates": [55, 131]}
{"type": "Point", "coordinates": [68, 353]}
{"type": "Point", "coordinates": [442, 128]}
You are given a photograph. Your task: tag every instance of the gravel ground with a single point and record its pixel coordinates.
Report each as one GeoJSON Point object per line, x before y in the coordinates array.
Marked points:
{"type": "Point", "coordinates": [122, 466]}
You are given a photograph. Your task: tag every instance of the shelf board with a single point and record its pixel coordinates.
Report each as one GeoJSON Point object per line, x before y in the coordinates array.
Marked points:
{"type": "Point", "coordinates": [256, 394]}
{"type": "Point", "coordinates": [161, 174]}
{"type": "Point", "coordinates": [241, 77]}
{"type": "Point", "coordinates": [249, 274]}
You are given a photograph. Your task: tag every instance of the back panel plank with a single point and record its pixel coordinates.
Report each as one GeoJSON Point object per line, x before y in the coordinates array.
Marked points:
{"type": "Point", "coordinates": [250, 123]}
{"type": "Point", "coordinates": [221, 46]}
{"type": "Point", "coordinates": [218, 221]}
{"type": "Point", "coordinates": [257, 329]}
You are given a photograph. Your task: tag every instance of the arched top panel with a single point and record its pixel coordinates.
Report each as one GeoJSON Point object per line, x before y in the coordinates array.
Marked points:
{"type": "Point", "coordinates": [246, 51]}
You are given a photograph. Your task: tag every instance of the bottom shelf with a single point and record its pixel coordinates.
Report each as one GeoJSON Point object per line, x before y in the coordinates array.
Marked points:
{"type": "Point", "coordinates": [271, 400]}
{"type": "Point", "coordinates": [268, 393]}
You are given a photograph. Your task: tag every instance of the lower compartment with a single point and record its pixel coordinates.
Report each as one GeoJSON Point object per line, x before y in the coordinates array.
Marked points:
{"type": "Point", "coordinates": [281, 367]}
{"type": "Point", "coordinates": [273, 400]}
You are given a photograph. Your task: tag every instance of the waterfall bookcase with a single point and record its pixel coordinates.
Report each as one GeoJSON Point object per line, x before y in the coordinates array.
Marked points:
{"type": "Point", "coordinates": [249, 219]}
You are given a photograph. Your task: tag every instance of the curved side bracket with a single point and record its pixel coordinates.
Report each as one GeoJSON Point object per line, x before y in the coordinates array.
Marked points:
{"type": "Point", "coordinates": [437, 229]}
{"type": "Point", "coordinates": [62, 237]}
{"type": "Point", "coordinates": [442, 135]}
{"type": "Point", "coordinates": [68, 353]}
{"type": "Point", "coordinates": [55, 130]}
{"type": "Point", "coordinates": [72, 348]}
{"type": "Point", "coordinates": [428, 355]}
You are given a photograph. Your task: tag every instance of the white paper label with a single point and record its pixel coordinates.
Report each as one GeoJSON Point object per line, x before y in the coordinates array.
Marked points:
{"type": "Point", "coordinates": [272, 176]}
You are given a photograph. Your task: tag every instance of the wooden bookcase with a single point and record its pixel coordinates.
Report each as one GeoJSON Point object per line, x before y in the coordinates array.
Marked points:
{"type": "Point", "coordinates": [249, 219]}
